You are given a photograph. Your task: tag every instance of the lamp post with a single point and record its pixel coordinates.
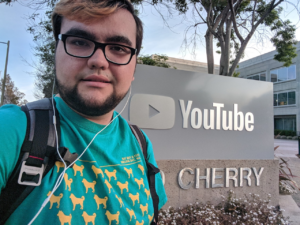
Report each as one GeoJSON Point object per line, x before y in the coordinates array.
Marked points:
{"type": "Point", "coordinates": [5, 70]}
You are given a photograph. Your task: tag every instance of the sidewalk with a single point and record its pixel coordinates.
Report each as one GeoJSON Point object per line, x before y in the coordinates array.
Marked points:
{"type": "Point", "coordinates": [290, 208]}
{"type": "Point", "coordinates": [290, 203]}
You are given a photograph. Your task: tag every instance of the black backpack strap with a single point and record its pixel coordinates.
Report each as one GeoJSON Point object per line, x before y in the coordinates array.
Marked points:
{"type": "Point", "coordinates": [152, 170]}
{"type": "Point", "coordinates": [36, 154]}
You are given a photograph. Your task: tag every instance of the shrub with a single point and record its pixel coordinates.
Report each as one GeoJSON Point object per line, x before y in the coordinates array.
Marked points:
{"type": "Point", "coordinates": [285, 188]}
{"type": "Point", "coordinates": [248, 211]}
{"type": "Point", "coordinates": [285, 132]}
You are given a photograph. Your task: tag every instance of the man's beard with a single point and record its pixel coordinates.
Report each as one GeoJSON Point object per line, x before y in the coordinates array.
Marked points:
{"type": "Point", "coordinates": [90, 107]}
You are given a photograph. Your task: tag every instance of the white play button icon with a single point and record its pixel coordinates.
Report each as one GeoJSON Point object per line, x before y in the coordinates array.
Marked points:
{"type": "Point", "coordinates": [152, 111]}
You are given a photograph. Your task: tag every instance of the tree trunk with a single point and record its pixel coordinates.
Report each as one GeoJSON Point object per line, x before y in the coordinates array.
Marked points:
{"type": "Point", "coordinates": [225, 49]}
{"type": "Point", "coordinates": [239, 55]}
{"type": "Point", "coordinates": [209, 52]}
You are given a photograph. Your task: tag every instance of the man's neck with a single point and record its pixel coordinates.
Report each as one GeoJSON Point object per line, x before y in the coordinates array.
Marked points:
{"type": "Point", "coordinates": [102, 120]}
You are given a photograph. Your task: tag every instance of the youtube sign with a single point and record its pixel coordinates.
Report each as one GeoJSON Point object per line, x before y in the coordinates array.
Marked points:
{"type": "Point", "coordinates": [152, 111]}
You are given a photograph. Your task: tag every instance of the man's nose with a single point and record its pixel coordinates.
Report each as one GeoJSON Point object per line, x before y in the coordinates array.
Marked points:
{"type": "Point", "coordinates": [98, 60]}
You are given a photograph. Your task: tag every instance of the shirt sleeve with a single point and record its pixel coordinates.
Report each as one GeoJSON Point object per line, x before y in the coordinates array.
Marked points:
{"type": "Point", "coordinates": [12, 133]}
{"type": "Point", "coordinates": [159, 186]}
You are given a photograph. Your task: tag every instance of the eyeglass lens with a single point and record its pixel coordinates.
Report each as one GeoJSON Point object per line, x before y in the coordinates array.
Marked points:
{"type": "Point", "coordinates": [84, 48]}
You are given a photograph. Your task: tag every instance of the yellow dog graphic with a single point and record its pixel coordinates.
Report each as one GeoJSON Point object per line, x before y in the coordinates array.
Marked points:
{"type": "Point", "coordinates": [78, 169]}
{"type": "Point", "coordinates": [87, 218]}
{"type": "Point", "coordinates": [76, 201]}
{"type": "Point", "coordinates": [147, 193]}
{"type": "Point", "coordinates": [55, 199]}
{"type": "Point", "coordinates": [144, 208]}
{"type": "Point", "coordinates": [68, 182]}
{"type": "Point", "coordinates": [141, 168]}
{"type": "Point", "coordinates": [108, 185]}
{"type": "Point", "coordinates": [131, 213]}
{"type": "Point", "coordinates": [97, 171]}
{"type": "Point", "coordinates": [100, 201]}
{"type": "Point", "coordinates": [150, 218]}
{"type": "Point", "coordinates": [139, 182]}
{"type": "Point", "coordinates": [135, 197]}
{"type": "Point", "coordinates": [129, 172]}
{"type": "Point", "coordinates": [123, 186]}
{"type": "Point", "coordinates": [110, 174]}
{"type": "Point", "coordinates": [89, 185]}
{"type": "Point", "coordinates": [59, 165]}
{"type": "Point", "coordinates": [112, 217]}
{"type": "Point", "coordinates": [64, 218]}
{"type": "Point", "coordinates": [120, 201]}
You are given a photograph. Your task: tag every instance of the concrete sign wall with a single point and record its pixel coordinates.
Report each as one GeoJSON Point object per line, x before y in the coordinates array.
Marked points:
{"type": "Point", "coordinates": [191, 115]}
{"type": "Point", "coordinates": [190, 181]}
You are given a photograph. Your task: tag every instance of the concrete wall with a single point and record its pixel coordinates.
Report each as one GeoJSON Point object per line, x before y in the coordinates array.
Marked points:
{"type": "Point", "coordinates": [178, 197]}
{"type": "Point", "coordinates": [266, 63]}
{"type": "Point", "coordinates": [189, 65]}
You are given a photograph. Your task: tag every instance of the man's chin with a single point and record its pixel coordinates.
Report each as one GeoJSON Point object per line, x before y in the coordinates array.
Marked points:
{"type": "Point", "coordinates": [86, 105]}
{"type": "Point", "coordinates": [93, 108]}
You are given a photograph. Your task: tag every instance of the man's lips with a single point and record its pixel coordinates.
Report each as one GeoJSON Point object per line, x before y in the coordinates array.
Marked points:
{"type": "Point", "coordinates": [98, 81]}
{"type": "Point", "coordinates": [96, 78]}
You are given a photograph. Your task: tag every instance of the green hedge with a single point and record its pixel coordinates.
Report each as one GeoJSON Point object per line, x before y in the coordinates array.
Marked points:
{"type": "Point", "coordinates": [285, 132]}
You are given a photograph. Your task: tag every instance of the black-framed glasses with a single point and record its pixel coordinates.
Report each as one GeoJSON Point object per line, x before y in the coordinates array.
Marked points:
{"type": "Point", "coordinates": [80, 47]}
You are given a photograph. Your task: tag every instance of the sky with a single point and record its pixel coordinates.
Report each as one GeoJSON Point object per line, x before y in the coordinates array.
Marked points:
{"type": "Point", "coordinates": [159, 38]}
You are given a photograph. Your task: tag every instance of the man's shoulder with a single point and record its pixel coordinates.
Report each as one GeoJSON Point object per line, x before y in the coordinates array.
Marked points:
{"type": "Point", "coordinates": [12, 133]}
{"type": "Point", "coordinates": [13, 122]}
{"type": "Point", "coordinates": [11, 114]}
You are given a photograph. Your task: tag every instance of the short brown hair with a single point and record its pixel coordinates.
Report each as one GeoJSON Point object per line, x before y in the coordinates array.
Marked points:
{"type": "Point", "coordinates": [84, 10]}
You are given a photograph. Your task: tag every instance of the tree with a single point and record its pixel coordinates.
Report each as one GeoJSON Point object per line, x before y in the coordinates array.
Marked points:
{"type": "Point", "coordinates": [41, 28]}
{"type": "Point", "coordinates": [155, 60]}
{"type": "Point", "coordinates": [231, 22]}
{"type": "Point", "coordinates": [12, 95]}
{"type": "Point", "coordinates": [234, 22]}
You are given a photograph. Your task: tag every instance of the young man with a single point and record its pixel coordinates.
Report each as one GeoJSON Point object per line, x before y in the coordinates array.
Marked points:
{"type": "Point", "coordinates": [96, 53]}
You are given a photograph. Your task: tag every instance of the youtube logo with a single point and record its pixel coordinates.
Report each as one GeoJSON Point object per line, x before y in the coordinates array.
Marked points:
{"type": "Point", "coordinates": [152, 111]}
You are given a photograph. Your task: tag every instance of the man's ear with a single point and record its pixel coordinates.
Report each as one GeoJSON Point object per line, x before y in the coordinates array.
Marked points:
{"type": "Point", "coordinates": [132, 78]}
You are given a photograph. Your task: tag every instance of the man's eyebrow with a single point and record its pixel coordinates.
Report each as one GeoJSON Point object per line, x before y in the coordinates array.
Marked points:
{"type": "Point", "coordinates": [82, 33]}
{"type": "Point", "coordinates": [119, 39]}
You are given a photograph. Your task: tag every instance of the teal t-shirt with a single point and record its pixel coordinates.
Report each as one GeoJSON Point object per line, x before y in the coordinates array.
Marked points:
{"type": "Point", "coordinates": [107, 185]}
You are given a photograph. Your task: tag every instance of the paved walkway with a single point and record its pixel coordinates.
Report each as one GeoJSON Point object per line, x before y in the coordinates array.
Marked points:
{"type": "Point", "coordinates": [288, 149]}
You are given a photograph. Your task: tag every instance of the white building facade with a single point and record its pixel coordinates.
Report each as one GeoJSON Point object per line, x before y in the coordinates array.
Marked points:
{"type": "Point", "coordinates": [286, 89]}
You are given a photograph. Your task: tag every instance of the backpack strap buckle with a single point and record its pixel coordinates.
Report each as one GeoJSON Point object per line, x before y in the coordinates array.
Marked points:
{"type": "Point", "coordinates": [30, 175]}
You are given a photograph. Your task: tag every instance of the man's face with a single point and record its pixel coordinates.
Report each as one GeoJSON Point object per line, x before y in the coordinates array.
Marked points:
{"type": "Point", "coordinates": [93, 86]}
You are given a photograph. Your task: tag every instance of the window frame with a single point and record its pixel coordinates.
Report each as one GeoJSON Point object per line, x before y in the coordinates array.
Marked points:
{"type": "Point", "coordinates": [287, 74]}
{"type": "Point", "coordinates": [259, 75]}
{"type": "Point", "coordinates": [287, 94]}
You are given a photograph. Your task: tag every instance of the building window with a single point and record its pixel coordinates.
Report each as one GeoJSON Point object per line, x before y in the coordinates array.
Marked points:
{"type": "Point", "coordinates": [283, 74]}
{"type": "Point", "coordinates": [261, 76]}
{"type": "Point", "coordinates": [285, 98]}
{"type": "Point", "coordinates": [285, 123]}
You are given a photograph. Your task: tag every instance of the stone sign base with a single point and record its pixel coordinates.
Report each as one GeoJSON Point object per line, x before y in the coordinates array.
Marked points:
{"type": "Point", "coordinates": [190, 181]}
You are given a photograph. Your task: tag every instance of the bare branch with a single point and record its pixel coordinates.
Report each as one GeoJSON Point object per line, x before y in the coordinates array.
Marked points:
{"type": "Point", "coordinates": [253, 14]}
{"type": "Point", "coordinates": [199, 13]}
{"type": "Point", "coordinates": [198, 24]}
{"type": "Point", "coordinates": [221, 17]}
{"type": "Point", "coordinates": [230, 2]}
{"type": "Point", "coordinates": [208, 20]}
